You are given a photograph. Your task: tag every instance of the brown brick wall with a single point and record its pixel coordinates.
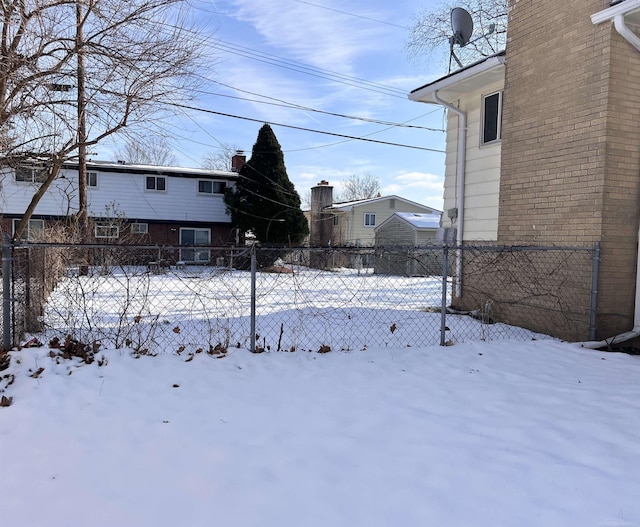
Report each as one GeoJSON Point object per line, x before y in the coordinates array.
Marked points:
{"type": "Point", "coordinates": [571, 142]}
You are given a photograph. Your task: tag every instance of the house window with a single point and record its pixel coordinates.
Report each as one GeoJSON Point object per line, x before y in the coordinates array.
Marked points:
{"type": "Point", "coordinates": [209, 187]}
{"type": "Point", "coordinates": [139, 228]}
{"type": "Point", "coordinates": [191, 236]}
{"type": "Point", "coordinates": [369, 219]}
{"type": "Point", "coordinates": [392, 203]}
{"type": "Point", "coordinates": [30, 174]}
{"type": "Point", "coordinates": [491, 117]}
{"type": "Point", "coordinates": [92, 179]}
{"type": "Point", "coordinates": [33, 232]}
{"type": "Point", "coordinates": [157, 183]}
{"type": "Point", "coordinates": [107, 230]}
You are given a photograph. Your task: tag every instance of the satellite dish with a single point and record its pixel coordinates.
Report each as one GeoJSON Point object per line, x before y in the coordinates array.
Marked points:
{"type": "Point", "coordinates": [462, 26]}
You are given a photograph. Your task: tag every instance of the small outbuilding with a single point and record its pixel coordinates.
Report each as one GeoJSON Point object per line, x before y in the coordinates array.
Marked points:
{"type": "Point", "coordinates": [403, 243]}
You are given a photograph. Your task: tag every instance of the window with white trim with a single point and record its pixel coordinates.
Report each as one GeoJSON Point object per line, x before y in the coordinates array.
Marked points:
{"type": "Point", "coordinates": [369, 219]}
{"type": "Point", "coordinates": [156, 183]}
{"type": "Point", "coordinates": [25, 174]}
{"type": "Point", "coordinates": [107, 230]}
{"type": "Point", "coordinates": [209, 187]}
{"type": "Point", "coordinates": [139, 228]}
{"type": "Point", "coordinates": [92, 179]}
{"type": "Point", "coordinates": [491, 118]}
{"type": "Point", "coordinates": [32, 232]}
{"type": "Point", "coordinates": [194, 236]}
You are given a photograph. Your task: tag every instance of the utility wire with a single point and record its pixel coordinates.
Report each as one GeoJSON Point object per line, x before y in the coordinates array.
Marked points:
{"type": "Point", "coordinates": [352, 14]}
{"type": "Point", "coordinates": [334, 134]}
{"type": "Point", "coordinates": [294, 106]}
{"type": "Point", "coordinates": [309, 70]}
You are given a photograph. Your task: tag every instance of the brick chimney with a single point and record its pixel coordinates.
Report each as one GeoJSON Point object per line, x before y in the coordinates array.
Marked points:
{"type": "Point", "coordinates": [321, 225]}
{"type": "Point", "coordinates": [238, 161]}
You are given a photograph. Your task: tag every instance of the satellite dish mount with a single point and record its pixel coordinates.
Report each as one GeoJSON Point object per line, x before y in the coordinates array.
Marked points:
{"type": "Point", "coordinates": [462, 28]}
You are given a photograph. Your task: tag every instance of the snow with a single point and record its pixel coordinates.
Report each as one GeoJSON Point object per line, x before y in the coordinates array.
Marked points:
{"type": "Point", "coordinates": [420, 220]}
{"type": "Point", "coordinates": [506, 433]}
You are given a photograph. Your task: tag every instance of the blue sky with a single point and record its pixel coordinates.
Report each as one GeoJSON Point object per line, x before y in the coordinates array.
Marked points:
{"type": "Point", "coordinates": [355, 62]}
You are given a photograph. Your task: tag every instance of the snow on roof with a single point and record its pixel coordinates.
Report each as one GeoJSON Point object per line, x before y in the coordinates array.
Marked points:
{"type": "Point", "coordinates": [348, 205]}
{"type": "Point", "coordinates": [114, 166]}
{"type": "Point", "coordinates": [420, 220]}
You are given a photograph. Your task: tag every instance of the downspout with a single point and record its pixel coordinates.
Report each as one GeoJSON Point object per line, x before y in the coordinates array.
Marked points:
{"type": "Point", "coordinates": [629, 335]}
{"type": "Point", "coordinates": [460, 180]}
{"type": "Point", "coordinates": [623, 29]}
{"type": "Point", "coordinates": [634, 40]}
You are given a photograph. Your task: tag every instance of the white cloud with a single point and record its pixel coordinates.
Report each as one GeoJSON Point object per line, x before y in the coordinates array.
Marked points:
{"type": "Point", "coordinates": [320, 37]}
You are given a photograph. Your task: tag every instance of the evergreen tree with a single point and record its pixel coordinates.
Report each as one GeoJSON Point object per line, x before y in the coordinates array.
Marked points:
{"type": "Point", "coordinates": [264, 200]}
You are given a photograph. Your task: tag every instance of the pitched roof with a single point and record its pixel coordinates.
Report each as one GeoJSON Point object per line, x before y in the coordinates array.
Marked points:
{"type": "Point", "coordinates": [418, 220]}
{"type": "Point", "coordinates": [347, 206]}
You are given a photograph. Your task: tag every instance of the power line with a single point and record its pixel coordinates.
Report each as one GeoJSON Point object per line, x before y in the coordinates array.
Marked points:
{"type": "Point", "coordinates": [300, 67]}
{"type": "Point", "coordinates": [204, 110]}
{"type": "Point", "coordinates": [352, 14]}
{"type": "Point", "coordinates": [294, 106]}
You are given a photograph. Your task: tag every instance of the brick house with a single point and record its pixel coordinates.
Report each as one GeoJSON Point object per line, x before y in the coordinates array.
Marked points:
{"type": "Point", "coordinates": [543, 142]}
{"type": "Point", "coordinates": [127, 203]}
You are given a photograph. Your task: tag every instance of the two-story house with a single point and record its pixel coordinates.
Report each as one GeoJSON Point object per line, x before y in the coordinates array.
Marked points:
{"type": "Point", "coordinates": [353, 223]}
{"type": "Point", "coordinates": [543, 143]}
{"type": "Point", "coordinates": [138, 204]}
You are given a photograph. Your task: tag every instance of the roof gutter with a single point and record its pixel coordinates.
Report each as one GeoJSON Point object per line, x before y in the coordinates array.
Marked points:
{"type": "Point", "coordinates": [617, 14]}
{"type": "Point", "coordinates": [623, 29]}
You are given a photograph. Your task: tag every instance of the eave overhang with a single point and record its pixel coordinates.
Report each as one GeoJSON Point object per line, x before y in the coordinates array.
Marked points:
{"type": "Point", "coordinates": [466, 80]}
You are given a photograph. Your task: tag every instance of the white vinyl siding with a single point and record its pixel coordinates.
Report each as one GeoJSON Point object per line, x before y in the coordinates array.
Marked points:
{"type": "Point", "coordinates": [482, 178]}
{"type": "Point", "coordinates": [125, 189]}
{"type": "Point", "coordinates": [352, 228]}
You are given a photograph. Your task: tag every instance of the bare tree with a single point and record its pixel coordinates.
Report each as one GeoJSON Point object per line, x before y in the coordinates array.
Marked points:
{"type": "Point", "coordinates": [357, 187]}
{"type": "Point", "coordinates": [220, 159]}
{"type": "Point", "coordinates": [152, 151]}
{"type": "Point", "coordinates": [98, 65]}
{"type": "Point", "coordinates": [430, 32]}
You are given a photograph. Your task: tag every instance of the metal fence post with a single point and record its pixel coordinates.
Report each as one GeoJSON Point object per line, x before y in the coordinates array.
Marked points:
{"type": "Point", "coordinates": [254, 267]}
{"type": "Point", "coordinates": [593, 308]}
{"type": "Point", "coordinates": [6, 293]}
{"type": "Point", "coordinates": [443, 303]}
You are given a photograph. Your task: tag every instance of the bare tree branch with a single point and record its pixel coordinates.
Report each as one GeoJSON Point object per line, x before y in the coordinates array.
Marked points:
{"type": "Point", "coordinates": [356, 187]}
{"type": "Point", "coordinates": [139, 56]}
{"type": "Point", "coordinates": [429, 35]}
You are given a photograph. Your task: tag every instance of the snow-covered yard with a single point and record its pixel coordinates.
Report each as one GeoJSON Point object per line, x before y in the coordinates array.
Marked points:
{"type": "Point", "coordinates": [529, 433]}
{"type": "Point", "coordinates": [198, 307]}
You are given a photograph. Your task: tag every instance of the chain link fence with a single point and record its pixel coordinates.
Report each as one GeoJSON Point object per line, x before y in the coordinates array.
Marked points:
{"type": "Point", "coordinates": [154, 299]}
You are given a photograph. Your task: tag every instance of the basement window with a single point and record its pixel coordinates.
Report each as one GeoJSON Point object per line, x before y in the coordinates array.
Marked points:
{"type": "Point", "coordinates": [491, 118]}
{"type": "Point", "coordinates": [109, 231]}
{"type": "Point", "coordinates": [139, 228]}
{"type": "Point", "coordinates": [33, 231]}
